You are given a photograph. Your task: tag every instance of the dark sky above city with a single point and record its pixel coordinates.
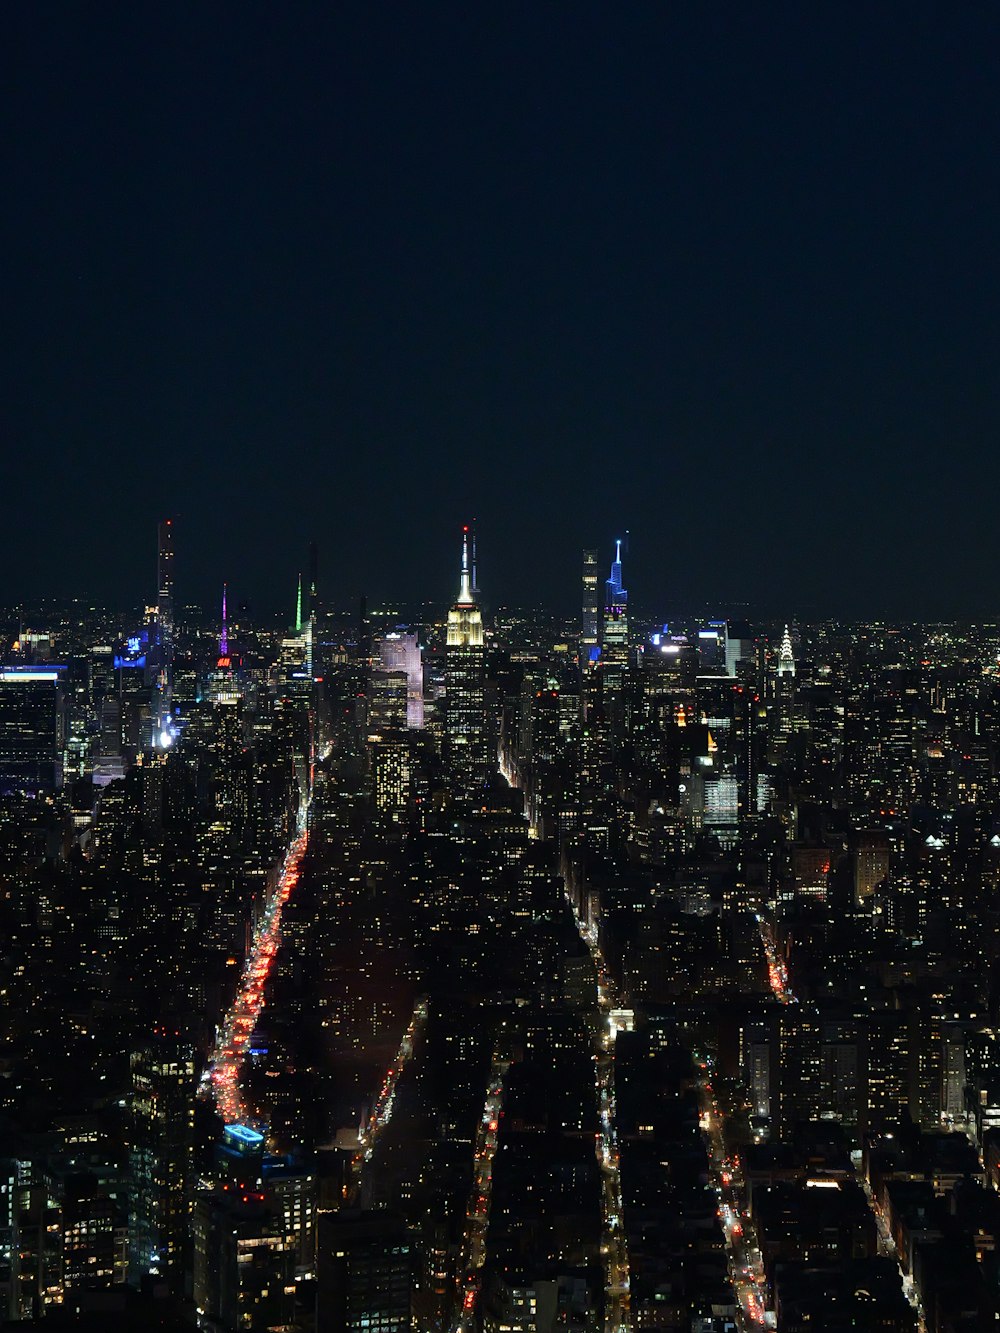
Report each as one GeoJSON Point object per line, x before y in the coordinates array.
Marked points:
{"type": "Point", "coordinates": [725, 275]}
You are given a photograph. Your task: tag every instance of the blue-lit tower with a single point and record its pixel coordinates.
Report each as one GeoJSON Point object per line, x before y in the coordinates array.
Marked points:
{"type": "Point", "coordinates": [616, 595]}
{"type": "Point", "coordinates": [615, 647]}
{"type": "Point", "coordinates": [615, 627]}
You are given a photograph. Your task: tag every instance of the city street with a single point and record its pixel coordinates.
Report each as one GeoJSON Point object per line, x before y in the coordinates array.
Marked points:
{"type": "Point", "coordinates": [745, 1269]}
{"type": "Point", "coordinates": [222, 1077]}
{"type": "Point", "coordinates": [614, 1243]}
{"type": "Point", "coordinates": [478, 1210]}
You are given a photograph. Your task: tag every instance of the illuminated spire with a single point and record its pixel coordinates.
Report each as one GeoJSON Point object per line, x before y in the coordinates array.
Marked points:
{"type": "Point", "coordinates": [224, 636]}
{"type": "Point", "coordinates": [616, 594]}
{"type": "Point", "coordinates": [465, 621]}
{"type": "Point", "coordinates": [298, 608]}
{"type": "Point", "coordinates": [786, 659]}
{"type": "Point", "coordinates": [465, 594]}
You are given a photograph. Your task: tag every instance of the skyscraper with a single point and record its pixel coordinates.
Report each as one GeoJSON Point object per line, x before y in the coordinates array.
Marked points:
{"type": "Point", "coordinates": [392, 774]}
{"type": "Point", "coordinates": [32, 727]}
{"type": "Point", "coordinates": [590, 627]}
{"type": "Point", "coordinates": [401, 652]}
{"type": "Point", "coordinates": [387, 701]}
{"type": "Point", "coordinates": [246, 1240]}
{"type": "Point", "coordinates": [161, 666]}
{"type": "Point", "coordinates": [615, 646]}
{"type": "Point", "coordinates": [363, 1273]}
{"type": "Point", "coordinates": [739, 645]}
{"type": "Point", "coordinates": [223, 686]}
{"type": "Point", "coordinates": [296, 646]}
{"type": "Point", "coordinates": [782, 716]}
{"type": "Point", "coordinates": [165, 576]}
{"type": "Point", "coordinates": [161, 1137]}
{"type": "Point", "coordinates": [304, 627]}
{"type": "Point", "coordinates": [616, 596]}
{"type": "Point", "coordinates": [465, 684]}
{"type": "Point", "coordinates": [224, 635]}
{"type": "Point", "coordinates": [786, 658]}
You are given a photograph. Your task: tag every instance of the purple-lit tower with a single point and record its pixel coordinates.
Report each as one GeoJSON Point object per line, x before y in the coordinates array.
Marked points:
{"type": "Point", "coordinates": [223, 683]}
{"type": "Point", "coordinates": [401, 653]}
{"type": "Point", "coordinates": [224, 636]}
{"type": "Point", "coordinates": [161, 710]}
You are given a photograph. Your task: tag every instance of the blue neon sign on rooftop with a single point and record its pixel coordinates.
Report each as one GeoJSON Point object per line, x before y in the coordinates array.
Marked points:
{"type": "Point", "coordinates": [243, 1135]}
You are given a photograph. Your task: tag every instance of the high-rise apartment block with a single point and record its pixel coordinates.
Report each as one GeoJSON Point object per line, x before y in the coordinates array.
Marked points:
{"type": "Point", "coordinates": [32, 727]}
{"type": "Point", "coordinates": [160, 1140]}
{"type": "Point", "coordinates": [364, 1268]}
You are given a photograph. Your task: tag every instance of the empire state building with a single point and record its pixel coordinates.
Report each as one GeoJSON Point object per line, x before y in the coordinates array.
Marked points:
{"type": "Point", "coordinates": [467, 750]}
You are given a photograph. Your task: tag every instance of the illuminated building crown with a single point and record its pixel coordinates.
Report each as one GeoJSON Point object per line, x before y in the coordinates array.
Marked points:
{"type": "Point", "coordinates": [786, 659]}
{"type": "Point", "coordinates": [465, 620]}
{"type": "Point", "coordinates": [616, 594]}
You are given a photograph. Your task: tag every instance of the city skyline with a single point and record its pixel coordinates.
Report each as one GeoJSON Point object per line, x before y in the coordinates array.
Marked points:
{"type": "Point", "coordinates": [500, 669]}
{"type": "Point", "coordinates": [202, 597]}
{"type": "Point", "coordinates": [498, 973]}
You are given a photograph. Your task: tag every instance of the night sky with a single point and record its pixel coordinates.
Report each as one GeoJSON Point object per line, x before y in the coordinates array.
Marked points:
{"type": "Point", "coordinates": [727, 275]}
